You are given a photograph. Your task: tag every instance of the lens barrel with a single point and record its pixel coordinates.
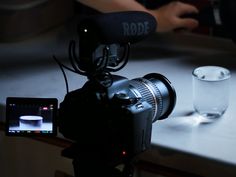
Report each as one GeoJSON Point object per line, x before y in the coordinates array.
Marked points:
{"type": "Point", "coordinates": [157, 90]}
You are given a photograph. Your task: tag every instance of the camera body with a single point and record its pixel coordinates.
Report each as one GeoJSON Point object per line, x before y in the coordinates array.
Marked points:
{"type": "Point", "coordinates": [111, 120]}
{"type": "Point", "coordinates": [115, 123]}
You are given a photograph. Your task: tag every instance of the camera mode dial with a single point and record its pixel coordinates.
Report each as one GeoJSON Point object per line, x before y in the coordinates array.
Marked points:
{"type": "Point", "coordinates": [124, 99]}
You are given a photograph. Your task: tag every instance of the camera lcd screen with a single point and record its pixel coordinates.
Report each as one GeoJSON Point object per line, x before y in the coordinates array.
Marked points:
{"type": "Point", "coordinates": [31, 116]}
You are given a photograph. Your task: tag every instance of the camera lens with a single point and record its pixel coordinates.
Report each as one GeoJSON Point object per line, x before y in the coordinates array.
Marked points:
{"type": "Point", "coordinates": [157, 90]}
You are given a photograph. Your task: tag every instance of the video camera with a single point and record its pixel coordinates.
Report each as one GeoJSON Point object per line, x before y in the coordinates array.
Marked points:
{"type": "Point", "coordinates": [109, 120]}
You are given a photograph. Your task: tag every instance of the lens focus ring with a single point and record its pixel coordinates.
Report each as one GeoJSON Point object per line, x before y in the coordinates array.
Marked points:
{"type": "Point", "coordinates": [150, 93]}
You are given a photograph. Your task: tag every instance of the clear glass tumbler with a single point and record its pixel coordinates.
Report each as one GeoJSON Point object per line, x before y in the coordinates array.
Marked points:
{"type": "Point", "coordinates": [211, 87]}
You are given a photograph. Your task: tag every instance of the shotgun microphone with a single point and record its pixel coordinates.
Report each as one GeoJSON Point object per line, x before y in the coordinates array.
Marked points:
{"type": "Point", "coordinates": [101, 37]}
{"type": "Point", "coordinates": [118, 27]}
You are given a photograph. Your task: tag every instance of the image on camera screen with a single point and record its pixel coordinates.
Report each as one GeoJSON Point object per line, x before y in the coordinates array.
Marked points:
{"type": "Point", "coordinates": [31, 116]}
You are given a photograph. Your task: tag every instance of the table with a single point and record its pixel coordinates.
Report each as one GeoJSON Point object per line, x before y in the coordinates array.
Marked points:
{"type": "Point", "coordinates": [182, 141]}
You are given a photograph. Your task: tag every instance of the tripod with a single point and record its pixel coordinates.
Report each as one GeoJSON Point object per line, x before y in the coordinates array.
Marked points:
{"type": "Point", "coordinates": [91, 163]}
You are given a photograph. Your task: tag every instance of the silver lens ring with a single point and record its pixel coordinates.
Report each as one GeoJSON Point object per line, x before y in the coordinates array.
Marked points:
{"type": "Point", "coordinates": [150, 93]}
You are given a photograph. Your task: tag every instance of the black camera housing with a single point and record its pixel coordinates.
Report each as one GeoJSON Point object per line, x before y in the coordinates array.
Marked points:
{"type": "Point", "coordinates": [112, 121]}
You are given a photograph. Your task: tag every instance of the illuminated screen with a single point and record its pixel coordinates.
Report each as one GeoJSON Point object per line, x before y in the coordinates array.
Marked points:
{"type": "Point", "coordinates": [31, 116]}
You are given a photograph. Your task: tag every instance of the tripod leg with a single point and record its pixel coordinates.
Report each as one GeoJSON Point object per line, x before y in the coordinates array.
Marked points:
{"type": "Point", "coordinates": [91, 170]}
{"type": "Point", "coordinates": [128, 170]}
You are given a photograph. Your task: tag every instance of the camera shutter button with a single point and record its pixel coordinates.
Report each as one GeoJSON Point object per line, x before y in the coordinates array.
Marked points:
{"type": "Point", "coordinates": [123, 98]}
